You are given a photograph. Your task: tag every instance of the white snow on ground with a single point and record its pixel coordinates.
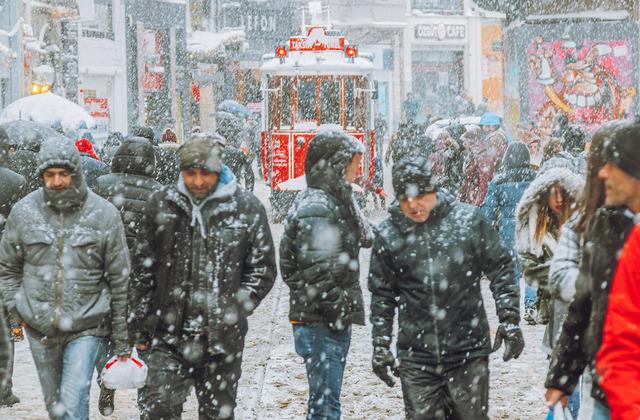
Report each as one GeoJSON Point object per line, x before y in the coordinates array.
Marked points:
{"type": "Point", "coordinates": [273, 383]}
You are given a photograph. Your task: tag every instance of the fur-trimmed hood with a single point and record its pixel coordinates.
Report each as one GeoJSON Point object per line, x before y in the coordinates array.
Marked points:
{"type": "Point", "coordinates": [527, 209]}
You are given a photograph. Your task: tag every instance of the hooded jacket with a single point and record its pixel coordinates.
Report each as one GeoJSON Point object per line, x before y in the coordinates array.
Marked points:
{"type": "Point", "coordinates": [215, 255]}
{"type": "Point", "coordinates": [130, 185]}
{"type": "Point", "coordinates": [535, 255]}
{"type": "Point", "coordinates": [323, 233]}
{"type": "Point", "coordinates": [505, 191]}
{"type": "Point", "coordinates": [64, 264]}
{"type": "Point", "coordinates": [581, 334]}
{"type": "Point", "coordinates": [431, 272]}
{"type": "Point", "coordinates": [481, 161]}
{"type": "Point", "coordinates": [13, 186]}
{"type": "Point", "coordinates": [92, 167]}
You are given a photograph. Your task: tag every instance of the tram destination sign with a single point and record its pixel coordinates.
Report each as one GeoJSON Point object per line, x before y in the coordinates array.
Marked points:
{"type": "Point", "coordinates": [441, 31]}
{"type": "Point", "coordinates": [317, 39]}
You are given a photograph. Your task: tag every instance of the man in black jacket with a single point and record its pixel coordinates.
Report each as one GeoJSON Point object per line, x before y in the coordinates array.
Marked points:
{"type": "Point", "coordinates": [13, 187]}
{"type": "Point", "coordinates": [128, 187]}
{"type": "Point", "coordinates": [582, 330]}
{"type": "Point", "coordinates": [205, 262]}
{"type": "Point", "coordinates": [427, 262]}
{"type": "Point", "coordinates": [319, 262]}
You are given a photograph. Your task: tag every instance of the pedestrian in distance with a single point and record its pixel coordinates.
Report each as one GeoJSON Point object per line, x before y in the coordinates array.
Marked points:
{"type": "Point", "coordinates": [127, 187]}
{"type": "Point", "coordinates": [64, 270]}
{"type": "Point", "coordinates": [499, 206]}
{"type": "Point", "coordinates": [481, 161]}
{"type": "Point", "coordinates": [581, 334]}
{"type": "Point", "coordinates": [544, 208]}
{"type": "Point", "coordinates": [205, 261]}
{"type": "Point", "coordinates": [324, 232]}
{"type": "Point", "coordinates": [427, 263]}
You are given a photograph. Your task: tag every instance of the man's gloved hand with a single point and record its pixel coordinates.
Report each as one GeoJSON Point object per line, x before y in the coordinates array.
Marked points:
{"type": "Point", "coordinates": [382, 360]}
{"type": "Point", "coordinates": [513, 339]}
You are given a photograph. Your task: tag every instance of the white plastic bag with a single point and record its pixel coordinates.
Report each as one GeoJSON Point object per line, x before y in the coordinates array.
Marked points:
{"type": "Point", "coordinates": [131, 374]}
{"type": "Point", "coordinates": [561, 413]}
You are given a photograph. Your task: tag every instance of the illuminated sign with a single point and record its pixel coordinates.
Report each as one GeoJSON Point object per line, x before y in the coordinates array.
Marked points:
{"type": "Point", "coordinates": [441, 31]}
{"type": "Point", "coordinates": [316, 40]}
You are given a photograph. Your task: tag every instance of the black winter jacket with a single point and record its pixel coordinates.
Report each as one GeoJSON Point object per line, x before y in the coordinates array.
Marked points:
{"type": "Point", "coordinates": [582, 330]}
{"type": "Point", "coordinates": [130, 185]}
{"type": "Point", "coordinates": [233, 267]}
{"type": "Point", "coordinates": [25, 163]}
{"type": "Point", "coordinates": [13, 186]}
{"type": "Point", "coordinates": [319, 261]}
{"type": "Point", "coordinates": [431, 273]}
{"type": "Point", "coordinates": [93, 169]}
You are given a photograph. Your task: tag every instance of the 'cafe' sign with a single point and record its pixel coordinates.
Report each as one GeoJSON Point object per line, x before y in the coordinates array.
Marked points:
{"type": "Point", "coordinates": [441, 31]}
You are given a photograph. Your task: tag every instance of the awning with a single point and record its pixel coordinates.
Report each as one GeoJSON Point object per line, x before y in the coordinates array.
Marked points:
{"type": "Point", "coordinates": [211, 43]}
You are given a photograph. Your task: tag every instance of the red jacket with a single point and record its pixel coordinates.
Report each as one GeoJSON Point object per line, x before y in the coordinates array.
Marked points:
{"type": "Point", "coordinates": [618, 360]}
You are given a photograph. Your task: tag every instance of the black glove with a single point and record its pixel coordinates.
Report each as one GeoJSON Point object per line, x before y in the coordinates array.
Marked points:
{"type": "Point", "coordinates": [383, 359]}
{"type": "Point", "coordinates": [513, 339]}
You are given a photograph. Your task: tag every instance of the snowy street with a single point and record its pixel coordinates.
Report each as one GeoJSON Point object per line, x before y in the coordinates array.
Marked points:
{"type": "Point", "coordinates": [274, 386]}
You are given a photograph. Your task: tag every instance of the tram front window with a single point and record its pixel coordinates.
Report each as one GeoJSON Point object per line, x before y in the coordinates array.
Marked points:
{"type": "Point", "coordinates": [307, 100]}
{"type": "Point", "coordinates": [330, 102]}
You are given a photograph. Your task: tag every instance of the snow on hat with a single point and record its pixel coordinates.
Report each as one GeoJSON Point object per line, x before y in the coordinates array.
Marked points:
{"type": "Point", "coordinates": [202, 151]}
{"type": "Point", "coordinates": [412, 177]}
{"type": "Point", "coordinates": [489, 118]}
{"type": "Point", "coordinates": [623, 148]}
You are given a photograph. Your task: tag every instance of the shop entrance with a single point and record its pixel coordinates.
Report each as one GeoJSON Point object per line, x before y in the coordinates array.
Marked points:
{"type": "Point", "coordinates": [438, 76]}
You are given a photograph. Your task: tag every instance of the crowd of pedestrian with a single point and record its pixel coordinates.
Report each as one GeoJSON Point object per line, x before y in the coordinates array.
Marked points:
{"type": "Point", "coordinates": [163, 248]}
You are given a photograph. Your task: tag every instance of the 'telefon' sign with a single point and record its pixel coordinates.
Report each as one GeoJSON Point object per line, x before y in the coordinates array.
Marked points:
{"type": "Point", "coordinates": [441, 31]}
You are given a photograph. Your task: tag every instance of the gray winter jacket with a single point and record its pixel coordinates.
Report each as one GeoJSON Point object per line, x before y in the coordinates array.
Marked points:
{"type": "Point", "coordinates": [64, 263]}
{"type": "Point", "coordinates": [563, 273]}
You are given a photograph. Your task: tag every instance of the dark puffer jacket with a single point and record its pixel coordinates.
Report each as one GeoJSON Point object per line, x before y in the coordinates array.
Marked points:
{"type": "Point", "coordinates": [12, 185]}
{"type": "Point", "coordinates": [431, 273]}
{"type": "Point", "coordinates": [130, 185]}
{"type": "Point", "coordinates": [93, 169]}
{"type": "Point", "coordinates": [506, 190]}
{"type": "Point", "coordinates": [231, 269]}
{"type": "Point", "coordinates": [25, 163]}
{"type": "Point", "coordinates": [64, 263]}
{"type": "Point", "coordinates": [322, 239]}
{"type": "Point", "coordinates": [581, 334]}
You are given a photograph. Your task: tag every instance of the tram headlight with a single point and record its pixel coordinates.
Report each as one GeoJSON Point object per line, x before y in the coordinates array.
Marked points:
{"type": "Point", "coordinates": [351, 52]}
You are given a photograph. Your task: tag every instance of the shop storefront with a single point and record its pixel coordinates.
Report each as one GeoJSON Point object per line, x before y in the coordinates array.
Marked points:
{"type": "Point", "coordinates": [440, 62]}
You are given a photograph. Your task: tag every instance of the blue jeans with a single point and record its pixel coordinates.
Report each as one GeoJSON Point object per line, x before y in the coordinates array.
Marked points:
{"type": "Point", "coordinates": [65, 369]}
{"type": "Point", "coordinates": [601, 411]}
{"type": "Point", "coordinates": [325, 354]}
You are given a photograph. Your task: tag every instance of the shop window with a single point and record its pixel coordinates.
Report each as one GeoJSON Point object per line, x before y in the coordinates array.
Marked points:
{"type": "Point", "coordinates": [102, 25]}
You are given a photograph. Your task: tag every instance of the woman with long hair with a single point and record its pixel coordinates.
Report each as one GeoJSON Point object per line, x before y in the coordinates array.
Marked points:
{"type": "Point", "coordinates": [545, 206]}
{"type": "Point", "coordinates": [565, 265]}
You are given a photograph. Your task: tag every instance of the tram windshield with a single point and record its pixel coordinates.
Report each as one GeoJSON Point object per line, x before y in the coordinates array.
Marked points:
{"type": "Point", "coordinates": [305, 102]}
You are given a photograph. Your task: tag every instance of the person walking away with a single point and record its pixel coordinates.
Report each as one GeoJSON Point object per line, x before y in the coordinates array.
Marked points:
{"type": "Point", "coordinates": [114, 140]}
{"type": "Point", "coordinates": [447, 159]}
{"type": "Point", "coordinates": [167, 160]}
{"type": "Point", "coordinates": [205, 261]}
{"type": "Point", "coordinates": [581, 334]}
{"type": "Point", "coordinates": [13, 187]}
{"type": "Point", "coordinates": [92, 166]}
{"type": "Point", "coordinates": [565, 265]}
{"type": "Point", "coordinates": [427, 263]}
{"type": "Point", "coordinates": [128, 188]}
{"type": "Point", "coordinates": [499, 206]}
{"type": "Point", "coordinates": [617, 360]}
{"type": "Point", "coordinates": [324, 232]}
{"type": "Point", "coordinates": [64, 272]}
{"type": "Point", "coordinates": [235, 155]}
{"type": "Point", "coordinates": [480, 163]}
{"type": "Point", "coordinates": [544, 208]}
